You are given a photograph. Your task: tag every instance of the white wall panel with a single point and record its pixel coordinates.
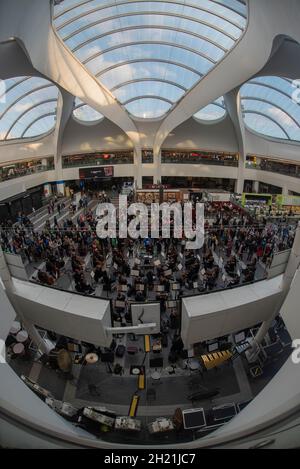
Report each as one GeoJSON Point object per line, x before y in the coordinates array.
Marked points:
{"type": "Point", "coordinates": [7, 314]}
{"type": "Point", "coordinates": [79, 317]}
{"type": "Point", "coordinates": [210, 316]}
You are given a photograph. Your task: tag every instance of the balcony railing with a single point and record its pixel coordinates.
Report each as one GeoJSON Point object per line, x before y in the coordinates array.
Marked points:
{"type": "Point", "coordinates": [21, 172]}
{"type": "Point", "coordinates": [69, 163]}
{"type": "Point", "coordinates": [286, 170]}
{"type": "Point", "coordinates": [187, 159]}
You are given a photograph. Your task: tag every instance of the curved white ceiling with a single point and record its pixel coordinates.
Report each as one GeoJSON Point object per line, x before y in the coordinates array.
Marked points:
{"type": "Point", "coordinates": [271, 107]}
{"type": "Point", "coordinates": [28, 107]}
{"type": "Point", "coordinates": [213, 112]}
{"type": "Point", "coordinates": [85, 113]}
{"type": "Point", "coordinates": [150, 53]}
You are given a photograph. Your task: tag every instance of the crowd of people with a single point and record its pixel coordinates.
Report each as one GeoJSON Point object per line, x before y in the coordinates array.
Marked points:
{"type": "Point", "coordinates": [237, 250]}
{"type": "Point", "coordinates": [54, 204]}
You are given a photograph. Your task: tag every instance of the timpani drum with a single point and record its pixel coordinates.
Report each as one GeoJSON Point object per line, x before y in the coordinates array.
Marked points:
{"type": "Point", "coordinates": [22, 336]}
{"type": "Point", "coordinates": [15, 328]}
{"type": "Point", "coordinates": [19, 349]}
{"type": "Point", "coordinates": [91, 358]}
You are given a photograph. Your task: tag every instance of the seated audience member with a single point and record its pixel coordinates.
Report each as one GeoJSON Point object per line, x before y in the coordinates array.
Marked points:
{"type": "Point", "coordinates": [44, 278]}
{"type": "Point", "coordinates": [139, 296]}
{"type": "Point", "coordinates": [83, 287]}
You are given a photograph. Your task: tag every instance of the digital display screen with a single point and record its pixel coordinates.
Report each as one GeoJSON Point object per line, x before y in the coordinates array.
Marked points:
{"type": "Point", "coordinates": [96, 173]}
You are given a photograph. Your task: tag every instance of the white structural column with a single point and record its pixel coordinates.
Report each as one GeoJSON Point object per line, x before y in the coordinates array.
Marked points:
{"type": "Point", "coordinates": [285, 191]}
{"type": "Point", "coordinates": [64, 112]}
{"type": "Point", "coordinates": [157, 166]}
{"type": "Point", "coordinates": [47, 187]}
{"type": "Point", "coordinates": [233, 106]}
{"type": "Point", "coordinates": [47, 190]}
{"type": "Point", "coordinates": [60, 186]}
{"type": "Point", "coordinates": [256, 187]}
{"type": "Point", "coordinates": [138, 167]}
{"type": "Point", "coordinates": [239, 185]}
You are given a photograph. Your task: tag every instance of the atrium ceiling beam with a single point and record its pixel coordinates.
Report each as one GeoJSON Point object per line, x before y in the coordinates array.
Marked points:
{"type": "Point", "coordinates": [233, 106]}
{"type": "Point", "coordinates": [267, 19]}
{"type": "Point", "coordinates": [65, 105]}
{"type": "Point", "coordinates": [16, 20]}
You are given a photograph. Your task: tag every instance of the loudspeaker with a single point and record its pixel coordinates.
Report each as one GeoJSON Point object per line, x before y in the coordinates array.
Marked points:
{"type": "Point", "coordinates": [156, 362]}
{"type": "Point", "coordinates": [107, 357]}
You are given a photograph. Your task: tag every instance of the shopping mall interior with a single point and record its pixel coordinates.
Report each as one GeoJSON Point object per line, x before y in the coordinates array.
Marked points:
{"type": "Point", "coordinates": [126, 342]}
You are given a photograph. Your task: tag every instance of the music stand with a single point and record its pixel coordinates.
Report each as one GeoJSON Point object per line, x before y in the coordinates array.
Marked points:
{"type": "Point", "coordinates": [168, 273]}
{"type": "Point", "coordinates": [135, 273]}
{"type": "Point", "coordinates": [140, 287]}
{"type": "Point", "coordinates": [175, 288]}
{"type": "Point", "coordinates": [213, 347]}
{"type": "Point", "coordinates": [238, 338]}
{"type": "Point", "coordinates": [123, 288]}
{"type": "Point", "coordinates": [172, 306]}
{"type": "Point", "coordinates": [160, 288]}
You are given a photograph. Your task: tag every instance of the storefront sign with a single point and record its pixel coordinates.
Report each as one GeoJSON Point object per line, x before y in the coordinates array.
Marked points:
{"type": "Point", "coordinates": [289, 200]}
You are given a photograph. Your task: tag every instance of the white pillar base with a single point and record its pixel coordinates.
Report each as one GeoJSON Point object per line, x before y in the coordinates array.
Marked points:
{"type": "Point", "coordinates": [256, 187]}
{"type": "Point", "coordinates": [47, 190]}
{"type": "Point", "coordinates": [60, 187]}
{"type": "Point", "coordinates": [285, 191]}
{"type": "Point", "coordinates": [239, 186]}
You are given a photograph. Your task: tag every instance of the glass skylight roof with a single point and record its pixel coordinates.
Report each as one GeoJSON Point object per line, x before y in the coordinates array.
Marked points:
{"type": "Point", "coordinates": [85, 113]}
{"type": "Point", "coordinates": [213, 112]}
{"type": "Point", "coordinates": [150, 53]}
{"type": "Point", "coordinates": [28, 107]}
{"type": "Point", "coordinates": [269, 108]}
